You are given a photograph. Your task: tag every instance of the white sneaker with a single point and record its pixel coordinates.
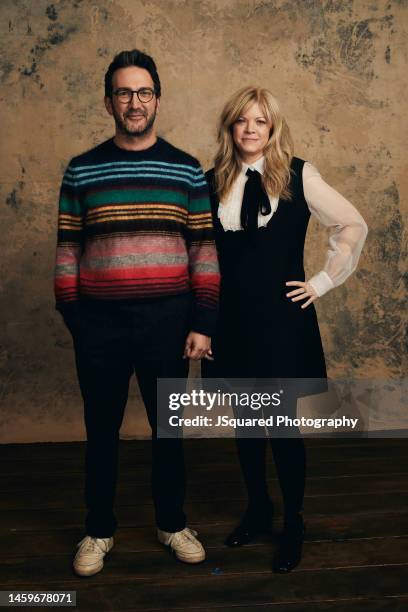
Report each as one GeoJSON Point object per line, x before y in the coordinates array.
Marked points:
{"type": "Point", "coordinates": [89, 558]}
{"type": "Point", "coordinates": [184, 544]}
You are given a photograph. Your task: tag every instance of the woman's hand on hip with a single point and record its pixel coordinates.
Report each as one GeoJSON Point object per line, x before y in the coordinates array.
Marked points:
{"type": "Point", "coordinates": [304, 291]}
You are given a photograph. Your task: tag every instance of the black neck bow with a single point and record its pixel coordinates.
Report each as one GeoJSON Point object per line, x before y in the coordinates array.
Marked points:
{"type": "Point", "coordinates": [255, 201]}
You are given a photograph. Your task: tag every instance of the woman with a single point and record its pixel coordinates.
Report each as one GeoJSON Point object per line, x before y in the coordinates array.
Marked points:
{"type": "Point", "coordinates": [262, 198]}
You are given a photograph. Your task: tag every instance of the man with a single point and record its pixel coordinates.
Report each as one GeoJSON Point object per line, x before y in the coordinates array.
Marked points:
{"type": "Point", "coordinates": [137, 284]}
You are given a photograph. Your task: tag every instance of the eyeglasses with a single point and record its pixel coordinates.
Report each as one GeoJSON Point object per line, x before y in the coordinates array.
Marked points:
{"type": "Point", "coordinates": [144, 94]}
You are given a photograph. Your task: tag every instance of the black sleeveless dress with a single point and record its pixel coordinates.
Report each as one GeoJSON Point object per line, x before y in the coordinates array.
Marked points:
{"type": "Point", "coordinates": [261, 333]}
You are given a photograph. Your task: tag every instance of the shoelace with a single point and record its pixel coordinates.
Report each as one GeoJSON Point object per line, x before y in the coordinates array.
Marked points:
{"type": "Point", "coordinates": [185, 534]}
{"type": "Point", "coordinates": [89, 544]}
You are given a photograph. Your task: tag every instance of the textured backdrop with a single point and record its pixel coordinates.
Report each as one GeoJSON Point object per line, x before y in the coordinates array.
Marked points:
{"type": "Point", "coordinates": [338, 68]}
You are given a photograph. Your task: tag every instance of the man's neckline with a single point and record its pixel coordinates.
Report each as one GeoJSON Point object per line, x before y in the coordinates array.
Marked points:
{"type": "Point", "coordinates": [138, 152]}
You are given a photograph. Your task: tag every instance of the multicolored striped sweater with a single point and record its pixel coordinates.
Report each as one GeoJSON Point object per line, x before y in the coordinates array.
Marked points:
{"type": "Point", "coordinates": [136, 225]}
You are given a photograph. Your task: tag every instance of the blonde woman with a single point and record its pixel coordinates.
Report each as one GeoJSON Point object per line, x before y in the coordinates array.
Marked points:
{"type": "Point", "coordinates": [262, 198]}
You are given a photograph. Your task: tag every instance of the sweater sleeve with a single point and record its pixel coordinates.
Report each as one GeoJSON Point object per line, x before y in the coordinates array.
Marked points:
{"type": "Point", "coordinates": [69, 245]}
{"type": "Point", "coordinates": [347, 235]}
{"type": "Point", "coordinates": [202, 254]}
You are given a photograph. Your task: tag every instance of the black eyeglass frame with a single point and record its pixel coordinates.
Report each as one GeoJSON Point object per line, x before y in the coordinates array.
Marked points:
{"type": "Point", "coordinates": [132, 92]}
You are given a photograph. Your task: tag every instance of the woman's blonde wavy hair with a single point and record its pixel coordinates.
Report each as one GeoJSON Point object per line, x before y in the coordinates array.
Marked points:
{"type": "Point", "coordinates": [278, 151]}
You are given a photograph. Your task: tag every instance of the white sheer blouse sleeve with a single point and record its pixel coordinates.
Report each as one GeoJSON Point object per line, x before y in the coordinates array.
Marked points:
{"type": "Point", "coordinates": [348, 230]}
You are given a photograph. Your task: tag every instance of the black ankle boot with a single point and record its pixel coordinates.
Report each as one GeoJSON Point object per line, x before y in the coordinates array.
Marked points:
{"type": "Point", "coordinates": [289, 553]}
{"type": "Point", "coordinates": [253, 523]}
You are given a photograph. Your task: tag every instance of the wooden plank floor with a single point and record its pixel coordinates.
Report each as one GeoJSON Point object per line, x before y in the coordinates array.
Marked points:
{"type": "Point", "coordinates": [355, 554]}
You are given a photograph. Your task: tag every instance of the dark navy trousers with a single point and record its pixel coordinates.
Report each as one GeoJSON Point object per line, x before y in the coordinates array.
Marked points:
{"type": "Point", "coordinates": [113, 341]}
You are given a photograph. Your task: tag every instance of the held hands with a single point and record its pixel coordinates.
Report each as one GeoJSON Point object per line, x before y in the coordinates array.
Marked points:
{"type": "Point", "coordinates": [197, 347]}
{"type": "Point", "coordinates": [305, 291]}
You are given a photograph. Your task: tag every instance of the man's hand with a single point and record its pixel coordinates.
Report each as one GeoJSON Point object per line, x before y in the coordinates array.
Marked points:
{"type": "Point", "coordinates": [305, 291]}
{"type": "Point", "coordinates": [197, 347]}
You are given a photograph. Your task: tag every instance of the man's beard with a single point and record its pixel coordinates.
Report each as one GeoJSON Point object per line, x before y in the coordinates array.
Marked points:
{"type": "Point", "coordinates": [128, 129]}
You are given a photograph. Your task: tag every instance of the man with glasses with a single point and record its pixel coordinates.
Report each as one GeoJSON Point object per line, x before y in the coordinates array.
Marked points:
{"type": "Point", "coordinates": [137, 284]}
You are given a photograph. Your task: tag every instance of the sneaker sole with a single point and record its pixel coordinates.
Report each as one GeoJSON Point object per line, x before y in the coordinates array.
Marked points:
{"type": "Point", "coordinates": [183, 559]}
{"type": "Point", "coordinates": [88, 572]}
{"type": "Point", "coordinates": [91, 571]}
{"type": "Point", "coordinates": [189, 560]}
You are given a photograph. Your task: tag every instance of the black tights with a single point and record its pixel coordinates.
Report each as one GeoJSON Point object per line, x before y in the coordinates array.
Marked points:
{"type": "Point", "coordinates": [290, 461]}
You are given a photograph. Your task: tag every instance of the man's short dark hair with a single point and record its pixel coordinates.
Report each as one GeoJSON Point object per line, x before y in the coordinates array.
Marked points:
{"type": "Point", "coordinates": [124, 59]}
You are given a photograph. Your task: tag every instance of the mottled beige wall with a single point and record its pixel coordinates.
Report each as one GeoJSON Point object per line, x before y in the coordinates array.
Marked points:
{"type": "Point", "coordinates": [338, 68]}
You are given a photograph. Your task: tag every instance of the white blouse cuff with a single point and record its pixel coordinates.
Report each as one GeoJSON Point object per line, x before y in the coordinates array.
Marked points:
{"type": "Point", "coordinates": [321, 283]}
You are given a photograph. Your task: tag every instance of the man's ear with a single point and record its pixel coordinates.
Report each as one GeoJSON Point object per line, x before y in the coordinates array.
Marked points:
{"type": "Point", "coordinates": [157, 104]}
{"type": "Point", "coordinates": [108, 104]}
